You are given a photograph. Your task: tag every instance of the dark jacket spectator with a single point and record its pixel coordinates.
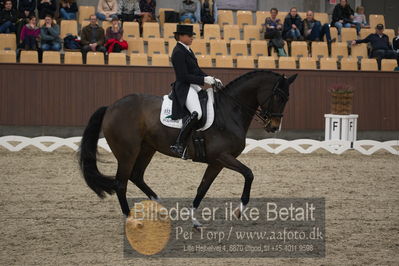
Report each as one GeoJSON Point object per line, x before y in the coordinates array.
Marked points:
{"type": "Point", "coordinates": [313, 30]}
{"type": "Point", "coordinates": [26, 8]}
{"type": "Point", "coordinates": [68, 9]}
{"type": "Point", "coordinates": [14, 4]}
{"type": "Point", "coordinates": [380, 45]}
{"type": "Point", "coordinates": [50, 35]}
{"type": "Point", "coordinates": [395, 44]}
{"type": "Point", "coordinates": [92, 38]}
{"type": "Point", "coordinates": [46, 7]}
{"type": "Point", "coordinates": [8, 18]}
{"type": "Point", "coordinates": [343, 13]}
{"type": "Point", "coordinates": [147, 8]}
{"type": "Point", "coordinates": [293, 26]}
{"type": "Point", "coordinates": [207, 12]}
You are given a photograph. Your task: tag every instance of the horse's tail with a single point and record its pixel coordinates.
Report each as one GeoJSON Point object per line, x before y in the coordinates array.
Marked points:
{"type": "Point", "coordinates": [98, 182]}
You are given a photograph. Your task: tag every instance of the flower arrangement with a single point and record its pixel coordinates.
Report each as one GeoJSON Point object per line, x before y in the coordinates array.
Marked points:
{"type": "Point", "coordinates": [341, 99]}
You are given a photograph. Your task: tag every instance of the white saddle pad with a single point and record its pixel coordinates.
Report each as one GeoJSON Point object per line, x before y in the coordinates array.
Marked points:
{"type": "Point", "coordinates": [166, 112]}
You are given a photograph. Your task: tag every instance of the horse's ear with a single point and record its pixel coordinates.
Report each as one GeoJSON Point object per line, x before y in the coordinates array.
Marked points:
{"type": "Point", "coordinates": [292, 79]}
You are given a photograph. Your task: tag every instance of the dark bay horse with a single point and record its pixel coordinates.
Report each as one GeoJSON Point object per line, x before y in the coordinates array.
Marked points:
{"type": "Point", "coordinates": [134, 133]}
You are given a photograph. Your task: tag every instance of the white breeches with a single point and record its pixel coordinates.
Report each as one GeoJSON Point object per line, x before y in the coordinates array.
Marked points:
{"type": "Point", "coordinates": [192, 101]}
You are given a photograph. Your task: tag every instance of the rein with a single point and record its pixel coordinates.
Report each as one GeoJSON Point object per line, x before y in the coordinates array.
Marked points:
{"type": "Point", "coordinates": [264, 115]}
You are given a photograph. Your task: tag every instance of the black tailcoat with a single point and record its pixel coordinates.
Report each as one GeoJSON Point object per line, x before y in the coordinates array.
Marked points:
{"type": "Point", "coordinates": [187, 72]}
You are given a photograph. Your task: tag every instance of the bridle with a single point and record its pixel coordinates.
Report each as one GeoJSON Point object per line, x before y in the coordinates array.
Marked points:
{"type": "Point", "coordinates": [265, 115]}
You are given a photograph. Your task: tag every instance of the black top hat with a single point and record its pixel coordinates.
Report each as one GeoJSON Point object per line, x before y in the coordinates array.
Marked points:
{"type": "Point", "coordinates": [184, 30]}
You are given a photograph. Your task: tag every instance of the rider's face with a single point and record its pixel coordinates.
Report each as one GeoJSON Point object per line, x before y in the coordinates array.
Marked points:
{"type": "Point", "coordinates": [186, 39]}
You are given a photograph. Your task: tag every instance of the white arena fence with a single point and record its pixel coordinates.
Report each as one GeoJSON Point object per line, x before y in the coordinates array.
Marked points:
{"type": "Point", "coordinates": [276, 146]}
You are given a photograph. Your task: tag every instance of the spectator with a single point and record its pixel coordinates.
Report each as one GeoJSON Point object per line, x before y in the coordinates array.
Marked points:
{"type": "Point", "coordinates": [50, 35]}
{"type": "Point", "coordinates": [129, 10]}
{"type": "Point", "coordinates": [380, 45]}
{"type": "Point", "coordinates": [26, 8]}
{"type": "Point", "coordinates": [3, 4]}
{"type": "Point", "coordinates": [114, 37]}
{"type": "Point", "coordinates": [92, 37]}
{"type": "Point", "coordinates": [106, 9]}
{"type": "Point", "coordinates": [147, 8]}
{"type": "Point", "coordinates": [187, 11]}
{"type": "Point", "coordinates": [343, 17]}
{"type": "Point", "coordinates": [273, 31]}
{"type": "Point", "coordinates": [293, 26]}
{"type": "Point", "coordinates": [8, 18]}
{"type": "Point", "coordinates": [395, 43]}
{"type": "Point", "coordinates": [68, 9]}
{"type": "Point", "coordinates": [314, 31]}
{"type": "Point", "coordinates": [206, 12]}
{"type": "Point", "coordinates": [30, 35]}
{"type": "Point", "coordinates": [45, 7]}
{"type": "Point", "coordinates": [360, 17]}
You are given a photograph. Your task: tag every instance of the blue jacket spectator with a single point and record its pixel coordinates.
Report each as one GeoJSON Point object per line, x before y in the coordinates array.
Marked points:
{"type": "Point", "coordinates": [8, 18]}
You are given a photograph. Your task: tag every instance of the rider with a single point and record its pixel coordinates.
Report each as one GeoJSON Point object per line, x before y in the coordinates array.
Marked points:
{"type": "Point", "coordinates": [189, 78]}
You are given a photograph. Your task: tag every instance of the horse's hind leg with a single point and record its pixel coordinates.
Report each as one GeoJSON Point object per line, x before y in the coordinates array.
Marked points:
{"type": "Point", "coordinates": [122, 176]}
{"type": "Point", "coordinates": [137, 175]}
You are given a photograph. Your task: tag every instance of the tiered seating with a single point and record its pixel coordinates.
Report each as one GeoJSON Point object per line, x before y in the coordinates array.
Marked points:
{"type": "Point", "coordinates": [199, 47]}
{"type": "Point", "coordinates": [118, 59]}
{"type": "Point", "coordinates": [359, 51]}
{"type": "Point", "coordinates": [162, 14]}
{"type": "Point", "coordinates": [238, 48]}
{"type": "Point", "coordinates": [369, 64]}
{"type": "Point", "coordinates": [8, 42]}
{"type": "Point", "coordinates": [131, 30]}
{"type": "Point", "coordinates": [74, 58]}
{"type": "Point", "coordinates": [244, 18]}
{"type": "Point", "coordinates": [322, 17]}
{"type": "Point", "coordinates": [160, 60]}
{"type": "Point", "coordinates": [218, 47]}
{"type": "Point", "coordinates": [349, 64]}
{"type": "Point", "coordinates": [388, 64]}
{"type": "Point", "coordinates": [85, 12]}
{"type": "Point", "coordinates": [95, 58]}
{"type": "Point", "coordinates": [374, 20]}
{"type": "Point", "coordinates": [171, 45]}
{"type": "Point", "coordinates": [138, 60]}
{"type": "Point", "coordinates": [8, 56]}
{"type": "Point", "coordinates": [51, 57]}
{"type": "Point", "coordinates": [224, 61]}
{"type": "Point", "coordinates": [266, 62]}
{"type": "Point", "coordinates": [211, 32]}
{"type": "Point", "coordinates": [348, 34]}
{"type": "Point", "coordinates": [231, 32]}
{"type": "Point", "coordinates": [168, 29]}
{"type": "Point", "coordinates": [327, 63]}
{"type": "Point", "coordinates": [135, 45]}
{"type": "Point", "coordinates": [204, 60]}
{"type": "Point", "coordinates": [156, 46]}
{"type": "Point", "coordinates": [245, 62]}
{"type": "Point", "coordinates": [29, 57]}
{"type": "Point", "coordinates": [319, 50]}
{"type": "Point", "coordinates": [261, 17]}
{"type": "Point", "coordinates": [251, 32]}
{"type": "Point", "coordinates": [287, 63]}
{"type": "Point", "coordinates": [307, 63]}
{"type": "Point", "coordinates": [339, 50]}
{"type": "Point", "coordinates": [225, 17]}
{"type": "Point", "coordinates": [151, 30]}
{"type": "Point", "coordinates": [259, 48]}
{"type": "Point", "coordinates": [68, 27]}
{"type": "Point", "coordinates": [299, 49]}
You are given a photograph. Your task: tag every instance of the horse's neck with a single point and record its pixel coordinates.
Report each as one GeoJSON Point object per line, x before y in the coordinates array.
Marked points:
{"type": "Point", "coordinates": [244, 93]}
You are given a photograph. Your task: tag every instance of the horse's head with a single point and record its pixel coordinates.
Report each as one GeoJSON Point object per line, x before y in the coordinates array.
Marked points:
{"type": "Point", "coordinates": [272, 104]}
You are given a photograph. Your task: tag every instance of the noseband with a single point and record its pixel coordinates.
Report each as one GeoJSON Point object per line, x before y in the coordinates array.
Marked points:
{"type": "Point", "coordinates": [266, 115]}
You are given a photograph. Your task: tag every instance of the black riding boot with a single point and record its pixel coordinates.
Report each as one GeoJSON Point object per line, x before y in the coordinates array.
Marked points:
{"type": "Point", "coordinates": [185, 131]}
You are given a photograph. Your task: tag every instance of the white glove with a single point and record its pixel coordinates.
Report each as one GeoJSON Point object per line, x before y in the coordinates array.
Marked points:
{"type": "Point", "coordinates": [219, 82]}
{"type": "Point", "coordinates": [209, 80]}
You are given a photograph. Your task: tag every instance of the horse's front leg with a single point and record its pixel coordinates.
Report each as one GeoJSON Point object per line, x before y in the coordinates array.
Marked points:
{"type": "Point", "coordinates": [210, 174]}
{"type": "Point", "coordinates": [230, 162]}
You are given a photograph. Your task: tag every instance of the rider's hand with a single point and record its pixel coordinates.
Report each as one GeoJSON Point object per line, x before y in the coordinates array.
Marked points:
{"type": "Point", "coordinates": [218, 82]}
{"type": "Point", "coordinates": [209, 80]}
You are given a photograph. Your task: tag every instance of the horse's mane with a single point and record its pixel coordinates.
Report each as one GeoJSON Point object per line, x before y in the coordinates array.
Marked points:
{"type": "Point", "coordinates": [248, 76]}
